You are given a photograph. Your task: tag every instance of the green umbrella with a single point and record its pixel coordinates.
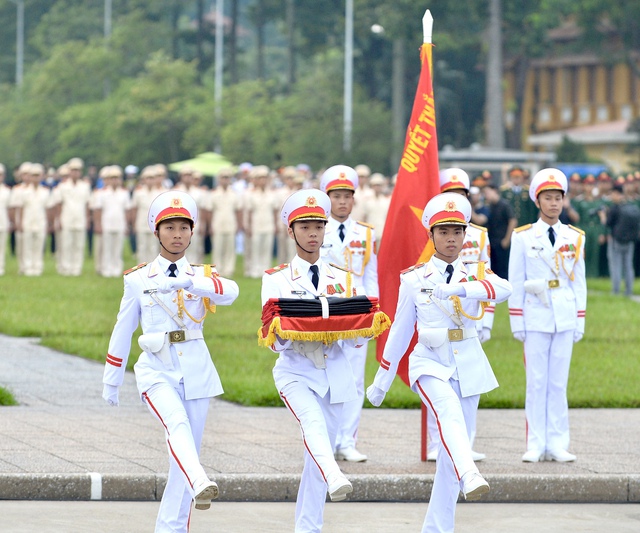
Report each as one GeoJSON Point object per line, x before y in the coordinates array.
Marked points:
{"type": "Point", "coordinates": [209, 163]}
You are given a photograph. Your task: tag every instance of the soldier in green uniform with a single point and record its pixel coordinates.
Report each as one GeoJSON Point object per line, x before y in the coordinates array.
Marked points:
{"type": "Point", "coordinates": [516, 193]}
{"type": "Point", "coordinates": [588, 207]}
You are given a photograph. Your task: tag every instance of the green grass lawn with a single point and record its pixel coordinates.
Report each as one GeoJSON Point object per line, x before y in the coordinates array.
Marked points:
{"type": "Point", "coordinates": [76, 315]}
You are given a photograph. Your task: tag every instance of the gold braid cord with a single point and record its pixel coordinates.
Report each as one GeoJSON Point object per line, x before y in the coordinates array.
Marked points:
{"type": "Point", "coordinates": [457, 304]}
{"type": "Point", "coordinates": [208, 306]}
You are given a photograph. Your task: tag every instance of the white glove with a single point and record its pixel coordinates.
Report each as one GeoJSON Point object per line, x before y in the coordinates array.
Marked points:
{"type": "Point", "coordinates": [173, 284]}
{"type": "Point", "coordinates": [110, 395]}
{"type": "Point", "coordinates": [577, 336]}
{"type": "Point", "coordinates": [519, 335]}
{"type": "Point", "coordinates": [484, 334]}
{"type": "Point", "coordinates": [442, 291]}
{"type": "Point", "coordinates": [375, 395]}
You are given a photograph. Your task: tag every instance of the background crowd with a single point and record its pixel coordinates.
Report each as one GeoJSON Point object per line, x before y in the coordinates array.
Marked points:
{"type": "Point", "coordinates": [75, 211]}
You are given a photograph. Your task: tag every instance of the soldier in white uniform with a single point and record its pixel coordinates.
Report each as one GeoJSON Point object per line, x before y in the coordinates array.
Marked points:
{"type": "Point", "coordinates": [32, 203]}
{"type": "Point", "coordinates": [143, 195]}
{"type": "Point", "coordinates": [110, 213]}
{"type": "Point", "coordinates": [448, 369]}
{"type": "Point", "coordinates": [224, 210]}
{"type": "Point", "coordinates": [474, 248]}
{"type": "Point", "coordinates": [547, 313]}
{"type": "Point", "coordinates": [262, 213]}
{"type": "Point", "coordinates": [377, 204]}
{"type": "Point", "coordinates": [71, 199]}
{"type": "Point", "coordinates": [5, 227]}
{"type": "Point", "coordinates": [351, 245]}
{"type": "Point", "coordinates": [175, 375]}
{"type": "Point", "coordinates": [314, 390]}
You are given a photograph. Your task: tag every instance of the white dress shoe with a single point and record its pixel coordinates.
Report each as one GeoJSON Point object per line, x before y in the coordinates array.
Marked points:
{"type": "Point", "coordinates": [474, 486]}
{"type": "Point", "coordinates": [432, 455]}
{"type": "Point", "coordinates": [350, 454]}
{"type": "Point", "coordinates": [338, 486]}
{"type": "Point", "coordinates": [559, 455]}
{"type": "Point", "coordinates": [533, 456]}
{"type": "Point", "coordinates": [204, 491]}
{"type": "Point", "coordinates": [477, 456]}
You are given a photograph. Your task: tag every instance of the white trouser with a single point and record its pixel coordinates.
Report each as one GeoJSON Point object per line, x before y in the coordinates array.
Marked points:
{"type": "Point", "coordinates": [547, 361]}
{"type": "Point", "coordinates": [261, 253]}
{"type": "Point", "coordinates": [33, 252]}
{"type": "Point", "coordinates": [318, 421]}
{"type": "Point", "coordinates": [3, 249]}
{"type": "Point", "coordinates": [71, 251]}
{"type": "Point", "coordinates": [112, 248]}
{"type": "Point", "coordinates": [183, 422]}
{"type": "Point", "coordinates": [147, 247]}
{"type": "Point", "coordinates": [454, 455]}
{"type": "Point", "coordinates": [348, 430]}
{"type": "Point", "coordinates": [224, 253]}
{"type": "Point", "coordinates": [434, 437]}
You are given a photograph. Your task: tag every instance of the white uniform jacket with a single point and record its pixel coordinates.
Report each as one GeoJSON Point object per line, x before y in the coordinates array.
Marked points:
{"type": "Point", "coordinates": [357, 253]}
{"type": "Point", "coordinates": [191, 359]}
{"type": "Point", "coordinates": [438, 356]}
{"type": "Point", "coordinates": [293, 281]}
{"type": "Point", "coordinates": [534, 262]}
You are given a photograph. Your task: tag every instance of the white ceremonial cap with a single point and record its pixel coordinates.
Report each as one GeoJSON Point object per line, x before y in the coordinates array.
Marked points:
{"type": "Point", "coordinates": [547, 179]}
{"type": "Point", "coordinates": [446, 208]}
{"type": "Point", "coordinates": [172, 204]}
{"type": "Point", "coordinates": [339, 177]}
{"type": "Point", "coordinates": [453, 178]}
{"type": "Point", "coordinates": [305, 204]}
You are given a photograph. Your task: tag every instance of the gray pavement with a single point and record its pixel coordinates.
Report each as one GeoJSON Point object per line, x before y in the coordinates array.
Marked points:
{"type": "Point", "coordinates": [64, 443]}
{"type": "Point", "coordinates": [276, 517]}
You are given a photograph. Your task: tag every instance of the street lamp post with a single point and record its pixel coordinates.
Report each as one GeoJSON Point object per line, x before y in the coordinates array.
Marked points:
{"type": "Point", "coordinates": [19, 40]}
{"type": "Point", "coordinates": [219, 59]}
{"type": "Point", "coordinates": [348, 76]}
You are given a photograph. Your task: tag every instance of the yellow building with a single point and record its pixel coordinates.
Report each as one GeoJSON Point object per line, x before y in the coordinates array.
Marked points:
{"type": "Point", "coordinates": [589, 98]}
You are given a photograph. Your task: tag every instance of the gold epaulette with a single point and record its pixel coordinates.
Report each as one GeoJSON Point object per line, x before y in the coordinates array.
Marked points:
{"type": "Point", "coordinates": [344, 269]}
{"type": "Point", "coordinates": [276, 269]}
{"type": "Point", "coordinates": [202, 265]}
{"type": "Point", "coordinates": [137, 267]}
{"type": "Point", "coordinates": [412, 268]}
{"type": "Point", "coordinates": [580, 231]}
{"type": "Point", "coordinates": [522, 228]}
{"type": "Point", "coordinates": [504, 187]}
{"type": "Point", "coordinates": [481, 228]}
{"type": "Point", "coordinates": [365, 224]}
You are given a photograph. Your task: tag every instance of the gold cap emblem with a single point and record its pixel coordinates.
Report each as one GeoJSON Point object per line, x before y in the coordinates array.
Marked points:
{"type": "Point", "coordinates": [450, 206]}
{"type": "Point", "coordinates": [311, 201]}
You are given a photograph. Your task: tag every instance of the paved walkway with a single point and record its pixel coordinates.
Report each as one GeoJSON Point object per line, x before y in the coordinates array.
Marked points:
{"type": "Point", "coordinates": [64, 443]}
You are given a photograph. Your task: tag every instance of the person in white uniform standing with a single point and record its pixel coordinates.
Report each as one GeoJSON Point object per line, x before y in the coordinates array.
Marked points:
{"type": "Point", "coordinates": [475, 248]}
{"type": "Point", "coordinates": [352, 245]}
{"type": "Point", "coordinates": [448, 369]}
{"type": "Point", "coordinates": [175, 375]}
{"type": "Point", "coordinates": [547, 313]}
{"type": "Point", "coordinates": [314, 379]}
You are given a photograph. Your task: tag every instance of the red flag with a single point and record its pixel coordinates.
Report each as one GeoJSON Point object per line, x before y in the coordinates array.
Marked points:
{"type": "Point", "coordinates": [405, 238]}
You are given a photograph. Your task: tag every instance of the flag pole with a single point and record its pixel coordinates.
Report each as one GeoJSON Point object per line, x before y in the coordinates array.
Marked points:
{"type": "Point", "coordinates": [427, 32]}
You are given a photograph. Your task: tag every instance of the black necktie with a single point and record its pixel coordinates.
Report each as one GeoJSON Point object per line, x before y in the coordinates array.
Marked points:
{"type": "Point", "coordinates": [341, 232]}
{"type": "Point", "coordinates": [552, 236]}
{"type": "Point", "coordinates": [449, 270]}
{"type": "Point", "coordinates": [315, 277]}
{"type": "Point", "coordinates": [172, 270]}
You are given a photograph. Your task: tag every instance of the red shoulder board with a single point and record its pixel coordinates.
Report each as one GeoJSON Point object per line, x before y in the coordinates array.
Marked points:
{"type": "Point", "coordinates": [276, 269]}
{"type": "Point", "coordinates": [134, 268]}
{"type": "Point", "coordinates": [411, 268]}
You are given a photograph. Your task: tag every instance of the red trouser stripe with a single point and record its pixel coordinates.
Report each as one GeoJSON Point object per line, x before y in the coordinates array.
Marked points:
{"type": "Point", "coordinates": [428, 401]}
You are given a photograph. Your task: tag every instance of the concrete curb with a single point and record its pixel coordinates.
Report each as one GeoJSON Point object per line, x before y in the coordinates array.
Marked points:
{"type": "Point", "coordinates": [520, 488]}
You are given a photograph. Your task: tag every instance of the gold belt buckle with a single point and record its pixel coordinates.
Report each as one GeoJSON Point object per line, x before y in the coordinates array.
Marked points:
{"type": "Point", "coordinates": [456, 334]}
{"type": "Point", "coordinates": [554, 283]}
{"type": "Point", "coordinates": [177, 336]}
